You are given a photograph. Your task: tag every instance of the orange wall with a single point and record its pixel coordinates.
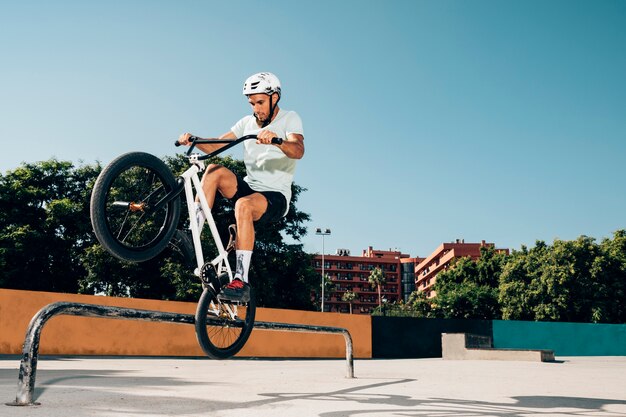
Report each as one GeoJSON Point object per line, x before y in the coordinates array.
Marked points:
{"type": "Point", "coordinates": [68, 335]}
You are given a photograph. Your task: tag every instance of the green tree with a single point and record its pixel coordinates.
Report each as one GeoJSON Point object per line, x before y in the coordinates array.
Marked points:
{"type": "Point", "coordinates": [329, 285]}
{"type": "Point", "coordinates": [163, 277]}
{"type": "Point", "coordinates": [419, 305]}
{"type": "Point", "coordinates": [610, 269]}
{"type": "Point", "coordinates": [44, 225]}
{"type": "Point", "coordinates": [348, 297]}
{"type": "Point", "coordinates": [376, 280]}
{"type": "Point", "coordinates": [469, 289]}
{"type": "Point", "coordinates": [518, 291]}
{"type": "Point", "coordinates": [577, 280]}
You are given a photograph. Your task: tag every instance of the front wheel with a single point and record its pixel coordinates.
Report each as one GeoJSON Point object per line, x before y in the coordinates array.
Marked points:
{"type": "Point", "coordinates": [133, 213]}
{"type": "Point", "coordinates": [223, 327]}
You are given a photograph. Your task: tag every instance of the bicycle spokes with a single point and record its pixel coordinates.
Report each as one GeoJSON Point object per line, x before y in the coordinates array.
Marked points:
{"type": "Point", "coordinates": [133, 212]}
{"type": "Point", "coordinates": [224, 327]}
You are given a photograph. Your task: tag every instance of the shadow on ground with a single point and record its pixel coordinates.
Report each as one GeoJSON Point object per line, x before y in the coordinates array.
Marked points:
{"type": "Point", "coordinates": [107, 395]}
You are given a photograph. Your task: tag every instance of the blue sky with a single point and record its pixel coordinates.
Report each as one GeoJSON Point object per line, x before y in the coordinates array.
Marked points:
{"type": "Point", "coordinates": [425, 121]}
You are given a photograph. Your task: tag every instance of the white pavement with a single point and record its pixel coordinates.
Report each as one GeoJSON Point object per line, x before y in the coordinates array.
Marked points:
{"type": "Point", "coordinates": [68, 387]}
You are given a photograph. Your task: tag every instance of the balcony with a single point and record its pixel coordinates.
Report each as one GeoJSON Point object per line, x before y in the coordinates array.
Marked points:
{"type": "Point", "coordinates": [342, 277]}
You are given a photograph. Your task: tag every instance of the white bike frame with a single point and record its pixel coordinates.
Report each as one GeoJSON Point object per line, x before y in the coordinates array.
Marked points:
{"type": "Point", "coordinates": [190, 176]}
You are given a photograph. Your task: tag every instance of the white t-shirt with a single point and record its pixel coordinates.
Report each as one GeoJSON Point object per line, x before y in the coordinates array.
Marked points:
{"type": "Point", "coordinates": [267, 167]}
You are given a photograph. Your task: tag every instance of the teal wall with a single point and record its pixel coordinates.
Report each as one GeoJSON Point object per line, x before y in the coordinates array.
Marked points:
{"type": "Point", "coordinates": [565, 339]}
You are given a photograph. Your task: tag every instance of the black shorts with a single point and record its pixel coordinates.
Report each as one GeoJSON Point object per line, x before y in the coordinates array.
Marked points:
{"type": "Point", "coordinates": [276, 202]}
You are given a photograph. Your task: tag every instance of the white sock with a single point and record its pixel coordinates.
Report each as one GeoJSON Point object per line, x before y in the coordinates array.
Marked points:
{"type": "Point", "coordinates": [200, 217]}
{"type": "Point", "coordinates": [243, 264]}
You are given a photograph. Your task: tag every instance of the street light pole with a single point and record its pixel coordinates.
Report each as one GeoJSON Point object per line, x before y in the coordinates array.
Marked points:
{"type": "Point", "coordinates": [324, 233]}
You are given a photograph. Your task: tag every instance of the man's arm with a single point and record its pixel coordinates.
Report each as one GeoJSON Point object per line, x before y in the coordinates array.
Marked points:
{"type": "Point", "coordinates": [292, 146]}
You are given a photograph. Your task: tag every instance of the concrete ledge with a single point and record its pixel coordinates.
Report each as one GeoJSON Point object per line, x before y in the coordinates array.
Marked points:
{"type": "Point", "coordinates": [462, 346]}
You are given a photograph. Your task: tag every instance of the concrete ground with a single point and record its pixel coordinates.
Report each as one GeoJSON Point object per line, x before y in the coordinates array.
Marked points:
{"type": "Point", "coordinates": [68, 387]}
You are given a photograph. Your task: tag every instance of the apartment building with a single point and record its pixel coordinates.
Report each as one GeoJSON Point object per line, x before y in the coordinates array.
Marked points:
{"type": "Point", "coordinates": [351, 273]}
{"type": "Point", "coordinates": [426, 271]}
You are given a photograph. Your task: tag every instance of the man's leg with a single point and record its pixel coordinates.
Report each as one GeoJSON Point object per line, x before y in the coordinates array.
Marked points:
{"type": "Point", "coordinates": [215, 178]}
{"type": "Point", "coordinates": [247, 210]}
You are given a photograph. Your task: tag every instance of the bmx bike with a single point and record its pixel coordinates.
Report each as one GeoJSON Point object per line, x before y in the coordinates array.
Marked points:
{"type": "Point", "coordinates": [135, 209]}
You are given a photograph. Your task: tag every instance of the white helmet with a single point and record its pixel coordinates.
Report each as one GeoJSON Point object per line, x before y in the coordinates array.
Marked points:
{"type": "Point", "coordinates": [262, 83]}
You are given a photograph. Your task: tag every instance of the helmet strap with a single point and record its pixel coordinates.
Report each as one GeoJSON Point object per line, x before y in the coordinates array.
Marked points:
{"type": "Point", "coordinates": [272, 108]}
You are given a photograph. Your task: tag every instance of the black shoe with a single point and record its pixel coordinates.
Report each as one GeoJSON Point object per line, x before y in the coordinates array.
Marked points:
{"type": "Point", "coordinates": [182, 243]}
{"type": "Point", "coordinates": [237, 290]}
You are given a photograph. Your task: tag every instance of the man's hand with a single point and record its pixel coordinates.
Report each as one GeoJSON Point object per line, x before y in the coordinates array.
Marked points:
{"type": "Point", "coordinates": [184, 139]}
{"type": "Point", "coordinates": [266, 136]}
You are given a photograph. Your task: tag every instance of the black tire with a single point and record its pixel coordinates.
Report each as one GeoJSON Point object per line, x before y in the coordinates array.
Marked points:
{"type": "Point", "coordinates": [127, 231]}
{"type": "Point", "coordinates": [219, 335]}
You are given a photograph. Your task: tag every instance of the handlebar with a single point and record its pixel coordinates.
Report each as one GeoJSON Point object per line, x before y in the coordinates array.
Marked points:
{"type": "Point", "coordinates": [199, 141]}
{"type": "Point", "coordinates": [228, 142]}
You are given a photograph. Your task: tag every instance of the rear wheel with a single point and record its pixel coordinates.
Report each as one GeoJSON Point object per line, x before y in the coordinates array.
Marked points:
{"type": "Point", "coordinates": [223, 327]}
{"type": "Point", "coordinates": [129, 214]}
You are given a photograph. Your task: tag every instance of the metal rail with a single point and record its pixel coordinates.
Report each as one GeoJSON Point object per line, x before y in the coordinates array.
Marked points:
{"type": "Point", "coordinates": [30, 351]}
{"type": "Point", "coordinates": [305, 328]}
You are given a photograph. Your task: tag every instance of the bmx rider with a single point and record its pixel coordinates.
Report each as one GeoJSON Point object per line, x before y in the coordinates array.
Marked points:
{"type": "Point", "coordinates": [263, 195]}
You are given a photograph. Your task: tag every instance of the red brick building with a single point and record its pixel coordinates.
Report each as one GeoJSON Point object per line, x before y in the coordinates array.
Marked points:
{"type": "Point", "coordinates": [426, 271]}
{"type": "Point", "coordinates": [350, 273]}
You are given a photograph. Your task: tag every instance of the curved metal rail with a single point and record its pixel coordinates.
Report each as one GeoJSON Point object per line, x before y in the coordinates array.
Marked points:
{"type": "Point", "coordinates": [30, 351]}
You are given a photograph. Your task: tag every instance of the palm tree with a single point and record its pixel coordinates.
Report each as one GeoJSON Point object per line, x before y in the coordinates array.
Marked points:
{"type": "Point", "coordinates": [348, 296]}
{"type": "Point", "coordinates": [376, 280]}
{"type": "Point", "coordinates": [329, 286]}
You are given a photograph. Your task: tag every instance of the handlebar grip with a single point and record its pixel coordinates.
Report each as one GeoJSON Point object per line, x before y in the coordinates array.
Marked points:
{"type": "Point", "coordinates": [277, 141]}
{"type": "Point", "coordinates": [191, 138]}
